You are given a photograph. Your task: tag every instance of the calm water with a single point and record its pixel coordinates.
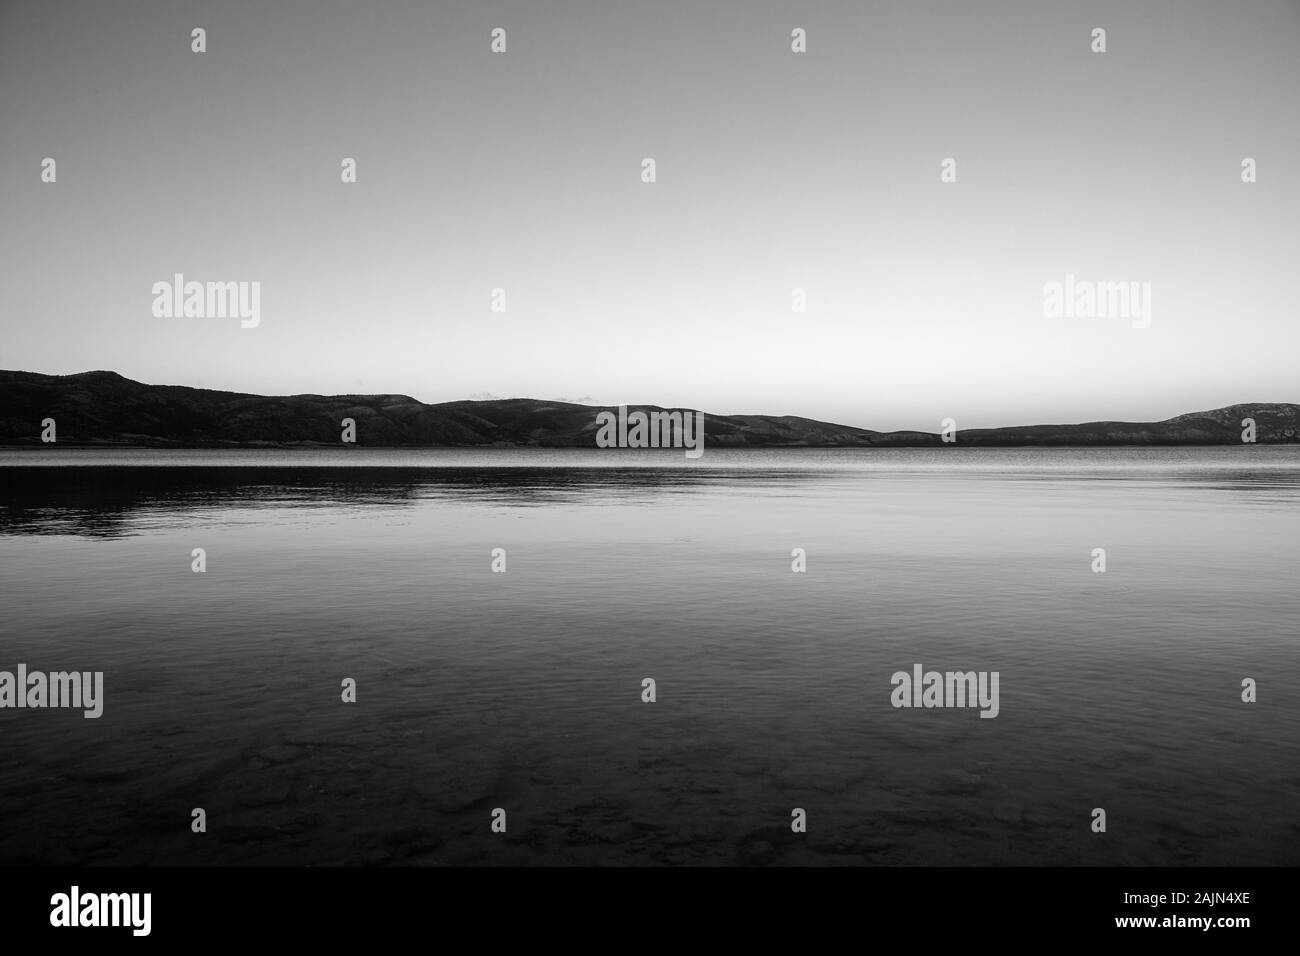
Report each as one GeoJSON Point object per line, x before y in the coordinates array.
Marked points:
{"type": "Point", "coordinates": [523, 690]}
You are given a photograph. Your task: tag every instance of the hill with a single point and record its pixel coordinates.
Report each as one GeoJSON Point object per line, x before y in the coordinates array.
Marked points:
{"type": "Point", "coordinates": [104, 408]}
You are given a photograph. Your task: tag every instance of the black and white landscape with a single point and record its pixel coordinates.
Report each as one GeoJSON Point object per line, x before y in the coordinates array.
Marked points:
{"type": "Point", "coordinates": [575, 434]}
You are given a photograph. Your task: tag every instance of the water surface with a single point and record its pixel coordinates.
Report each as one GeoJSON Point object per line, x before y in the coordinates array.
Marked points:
{"type": "Point", "coordinates": [522, 690]}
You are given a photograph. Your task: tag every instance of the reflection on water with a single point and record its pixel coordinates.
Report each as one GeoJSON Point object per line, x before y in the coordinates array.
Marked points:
{"type": "Point", "coordinates": [97, 492]}
{"type": "Point", "coordinates": [522, 690]}
{"type": "Point", "coordinates": [104, 501]}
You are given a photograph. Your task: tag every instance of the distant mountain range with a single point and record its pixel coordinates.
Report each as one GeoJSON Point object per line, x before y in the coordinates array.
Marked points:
{"type": "Point", "coordinates": [104, 408]}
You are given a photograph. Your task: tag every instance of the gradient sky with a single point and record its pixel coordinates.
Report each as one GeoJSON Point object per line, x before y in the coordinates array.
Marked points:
{"type": "Point", "coordinates": [775, 170]}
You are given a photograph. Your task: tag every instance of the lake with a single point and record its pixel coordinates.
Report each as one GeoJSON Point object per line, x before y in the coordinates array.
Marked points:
{"type": "Point", "coordinates": [477, 690]}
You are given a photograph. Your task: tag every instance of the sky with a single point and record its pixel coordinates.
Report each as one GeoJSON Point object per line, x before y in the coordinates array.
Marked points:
{"type": "Point", "coordinates": [774, 170]}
